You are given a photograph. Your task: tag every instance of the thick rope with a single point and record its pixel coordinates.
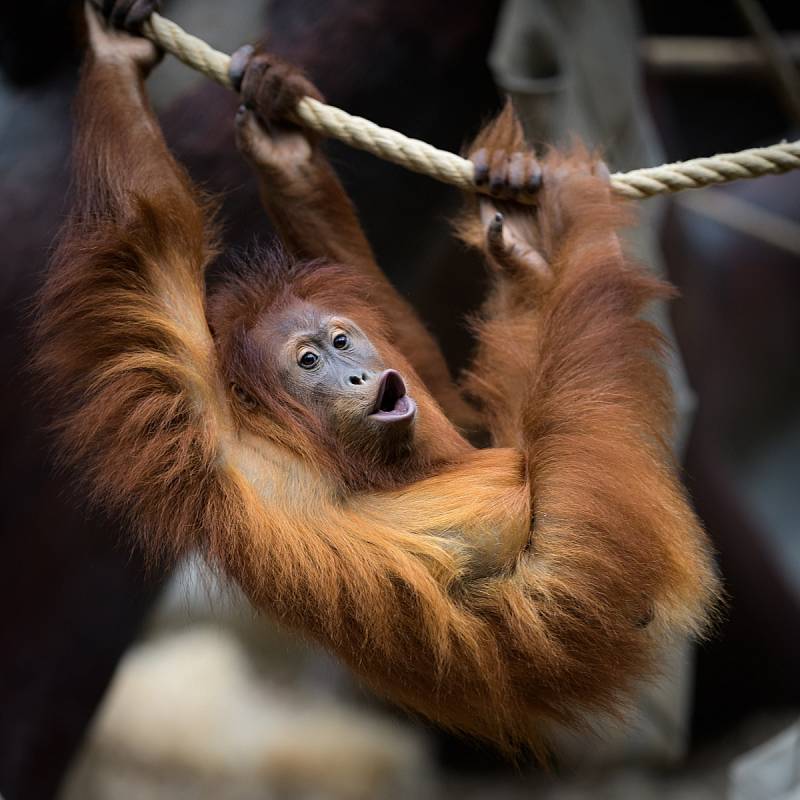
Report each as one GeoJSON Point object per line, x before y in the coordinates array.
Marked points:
{"type": "Point", "coordinates": [451, 168]}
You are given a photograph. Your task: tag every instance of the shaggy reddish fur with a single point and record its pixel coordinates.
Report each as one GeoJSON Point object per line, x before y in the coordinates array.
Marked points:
{"type": "Point", "coordinates": [496, 591]}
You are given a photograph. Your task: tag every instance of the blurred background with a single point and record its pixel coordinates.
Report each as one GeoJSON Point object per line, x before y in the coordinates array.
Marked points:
{"type": "Point", "coordinates": [117, 683]}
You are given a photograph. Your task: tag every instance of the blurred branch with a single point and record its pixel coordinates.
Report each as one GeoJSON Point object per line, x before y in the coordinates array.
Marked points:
{"type": "Point", "coordinates": [745, 217]}
{"type": "Point", "coordinates": [711, 56]}
{"type": "Point", "coordinates": [784, 73]}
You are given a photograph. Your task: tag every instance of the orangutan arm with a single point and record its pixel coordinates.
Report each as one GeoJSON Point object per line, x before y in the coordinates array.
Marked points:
{"type": "Point", "coordinates": [122, 331]}
{"type": "Point", "coordinates": [315, 217]}
{"type": "Point", "coordinates": [569, 373]}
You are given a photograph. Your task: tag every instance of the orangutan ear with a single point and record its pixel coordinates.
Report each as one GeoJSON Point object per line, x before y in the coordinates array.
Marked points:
{"type": "Point", "coordinates": [243, 397]}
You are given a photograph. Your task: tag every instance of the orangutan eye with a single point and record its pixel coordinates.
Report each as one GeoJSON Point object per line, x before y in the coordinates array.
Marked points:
{"type": "Point", "coordinates": [308, 359]}
{"type": "Point", "coordinates": [340, 341]}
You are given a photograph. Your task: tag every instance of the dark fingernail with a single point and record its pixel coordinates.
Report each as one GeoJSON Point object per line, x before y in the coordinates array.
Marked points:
{"type": "Point", "coordinates": [494, 233]}
{"type": "Point", "coordinates": [139, 12]}
{"type": "Point", "coordinates": [480, 161]}
{"type": "Point", "coordinates": [496, 185]}
{"type": "Point", "coordinates": [238, 65]}
{"type": "Point", "coordinates": [498, 177]}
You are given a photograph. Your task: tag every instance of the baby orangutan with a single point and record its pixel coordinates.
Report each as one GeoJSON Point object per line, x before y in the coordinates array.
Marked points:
{"type": "Point", "coordinates": [298, 430]}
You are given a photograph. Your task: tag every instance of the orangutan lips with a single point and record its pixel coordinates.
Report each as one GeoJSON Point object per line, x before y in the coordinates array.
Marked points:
{"type": "Point", "coordinates": [392, 403]}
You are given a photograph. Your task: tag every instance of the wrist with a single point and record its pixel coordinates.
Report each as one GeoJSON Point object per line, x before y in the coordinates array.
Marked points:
{"type": "Point", "coordinates": [109, 60]}
{"type": "Point", "coordinates": [111, 49]}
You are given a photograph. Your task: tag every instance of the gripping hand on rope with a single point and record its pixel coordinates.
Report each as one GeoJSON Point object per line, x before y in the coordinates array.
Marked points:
{"type": "Point", "coordinates": [110, 33]}
{"type": "Point", "coordinates": [141, 16]}
{"type": "Point", "coordinates": [267, 132]}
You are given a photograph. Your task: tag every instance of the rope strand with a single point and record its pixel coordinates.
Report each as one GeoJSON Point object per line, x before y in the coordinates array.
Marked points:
{"type": "Point", "coordinates": [450, 168]}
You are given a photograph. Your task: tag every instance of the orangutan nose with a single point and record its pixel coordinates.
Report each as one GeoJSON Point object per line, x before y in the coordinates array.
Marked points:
{"type": "Point", "coordinates": [357, 380]}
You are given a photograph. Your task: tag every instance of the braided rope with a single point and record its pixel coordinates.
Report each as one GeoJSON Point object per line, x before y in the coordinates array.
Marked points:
{"type": "Point", "coordinates": [450, 168]}
{"type": "Point", "coordinates": [193, 52]}
{"type": "Point", "coordinates": [699, 172]}
{"type": "Point", "coordinates": [385, 143]}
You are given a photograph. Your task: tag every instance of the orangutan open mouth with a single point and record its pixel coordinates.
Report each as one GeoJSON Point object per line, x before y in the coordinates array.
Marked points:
{"type": "Point", "coordinates": [392, 403]}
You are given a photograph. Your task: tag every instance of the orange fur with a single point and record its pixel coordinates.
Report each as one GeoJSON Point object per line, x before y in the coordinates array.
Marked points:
{"type": "Point", "coordinates": [495, 591]}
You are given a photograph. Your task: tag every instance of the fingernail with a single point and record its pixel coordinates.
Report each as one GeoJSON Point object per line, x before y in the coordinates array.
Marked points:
{"type": "Point", "coordinates": [238, 65]}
